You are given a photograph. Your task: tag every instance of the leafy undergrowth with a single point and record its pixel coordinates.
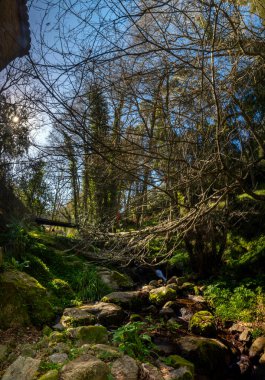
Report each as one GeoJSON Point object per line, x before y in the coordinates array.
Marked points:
{"type": "Point", "coordinates": [243, 302]}
{"type": "Point", "coordinates": [52, 260]}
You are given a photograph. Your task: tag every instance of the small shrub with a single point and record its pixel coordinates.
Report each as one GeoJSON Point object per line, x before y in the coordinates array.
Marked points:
{"type": "Point", "coordinates": [236, 304]}
{"type": "Point", "coordinates": [132, 340]}
{"type": "Point", "coordinates": [61, 288]}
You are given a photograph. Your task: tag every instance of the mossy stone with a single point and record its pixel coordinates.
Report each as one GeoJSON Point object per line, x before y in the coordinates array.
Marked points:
{"type": "Point", "coordinates": [203, 323]}
{"type": "Point", "coordinates": [3, 352]}
{"type": "Point", "coordinates": [122, 279]}
{"type": "Point", "coordinates": [162, 295]}
{"type": "Point", "coordinates": [177, 361]}
{"type": "Point", "coordinates": [51, 375]}
{"type": "Point", "coordinates": [47, 331]}
{"type": "Point", "coordinates": [89, 334]}
{"type": "Point", "coordinates": [23, 300]}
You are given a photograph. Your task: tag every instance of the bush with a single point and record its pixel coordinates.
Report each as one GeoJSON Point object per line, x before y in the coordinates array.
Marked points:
{"type": "Point", "coordinates": [239, 303]}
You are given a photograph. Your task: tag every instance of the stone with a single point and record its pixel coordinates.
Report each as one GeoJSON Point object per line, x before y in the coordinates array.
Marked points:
{"type": "Point", "coordinates": [102, 351]}
{"type": "Point", "coordinates": [166, 312]}
{"type": "Point", "coordinates": [60, 348]}
{"type": "Point", "coordinates": [77, 316]}
{"type": "Point", "coordinates": [51, 375]}
{"type": "Point", "coordinates": [85, 367]}
{"type": "Point", "coordinates": [262, 359]}
{"type": "Point", "coordinates": [245, 336]}
{"type": "Point", "coordinates": [150, 372]}
{"type": "Point", "coordinates": [3, 352]}
{"type": "Point", "coordinates": [203, 323]}
{"type": "Point", "coordinates": [161, 295]}
{"type": "Point", "coordinates": [198, 299]}
{"type": "Point", "coordinates": [55, 338]}
{"type": "Point", "coordinates": [58, 358]}
{"type": "Point", "coordinates": [173, 286]}
{"type": "Point", "coordinates": [22, 369]}
{"type": "Point", "coordinates": [187, 287]}
{"type": "Point", "coordinates": [58, 327]}
{"type": "Point", "coordinates": [28, 350]}
{"type": "Point", "coordinates": [107, 314]}
{"type": "Point", "coordinates": [115, 280]}
{"type": "Point", "coordinates": [209, 356]}
{"type": "Point", "coordinates": [154, 283]}
{"type": "Point", "coordinates": [257, 348]}
{"type": "Point", "coordinates": [89, 334]}
{"type": "Point", "coordinates": [177, 362]}
{"type": "Point", "coordinates": [23, 300]}
{"type": "Point", "coordinates": [131, 299]}
{"type": "Point", "coordinates": [170, 373]}
{"type": "Point", "coordinates": [173, 280]}
{"type": "Point", "coordinates": [125, 368]}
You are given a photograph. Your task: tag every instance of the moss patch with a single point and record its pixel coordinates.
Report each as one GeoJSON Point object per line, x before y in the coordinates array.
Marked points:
{"type": "Point", "coordinates": [202, 323]}
{"type": "Point", "coordinates": [23, 300]}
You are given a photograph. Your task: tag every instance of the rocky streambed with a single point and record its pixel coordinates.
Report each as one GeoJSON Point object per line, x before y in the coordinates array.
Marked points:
{"type": "Point", "coordinates": [166, 332]}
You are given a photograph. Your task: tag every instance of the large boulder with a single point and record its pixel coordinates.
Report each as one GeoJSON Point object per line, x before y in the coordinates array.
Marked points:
{"type": "Point", "coordinates": [23, 300]}
{"type": "Point", "coordinates": [210, 357]}
{"type": "Point", "coordinates": [203, 323]}
{"type": "Point", "coordinates": [85, 367]}
{"type": "Point", "coordinates": [107, 314]}
{"type": "Point", "coordinates": [22, 369]}
{"type": "Point", "coordinates": [162, 295]}
{"type": "Point", "coordinates": [131, 300]}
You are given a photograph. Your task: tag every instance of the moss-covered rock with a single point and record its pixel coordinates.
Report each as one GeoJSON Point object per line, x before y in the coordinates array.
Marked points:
{"type": "Point", "coordinates": [203, 323]}
{"type": "Point", "coordinates": [89, 334]}
{"type": "Point", "coordinates": [187, 287]}
{"type": "Point", "coordinates": [210, 357]}
{"type": "Point", "coordinates": [61, 288]}
{"type": "Point", "coordinates": [51, 375]}
{"type": "Point", "coordinates": [114, 280]}
{"type": "Point", "coordinates": [76, 316]}
{"type": "Point", "coordinates": [162, 295]}
{"type": "Point", "coordinates": [4, 349]}
{"type": "Point", "coordinates": [23, 300]}
{"type": "Point", "coordinates": [177, 362]}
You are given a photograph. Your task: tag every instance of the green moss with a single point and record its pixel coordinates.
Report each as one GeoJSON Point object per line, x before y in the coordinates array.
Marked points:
{"type": "Point", "coordinates": [162, 295]}
{"type": "Point", "coordinates": [51, 375]}
{"type": "Point", "coordinates": [89, 334]}
{"type": "Point", "coordinates": [62, 288]}
{"type": "Point", "coordinates": [177, 361]}
{"type": "Point", "coordinates": [122, 280]}
{"type": "Point", "coordinates": [23, 300]}
{"type": "Point", "coordinates": [203, 323]}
